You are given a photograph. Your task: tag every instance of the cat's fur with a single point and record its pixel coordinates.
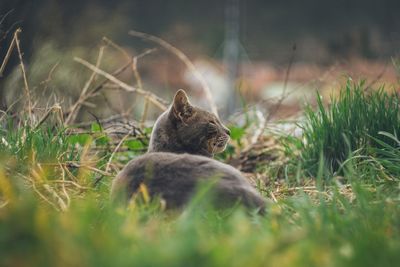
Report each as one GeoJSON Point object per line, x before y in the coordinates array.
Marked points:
{"type": "Point", "coordinates": [174, 177]}
{"type": "Point", "coordinates": [182, 143]}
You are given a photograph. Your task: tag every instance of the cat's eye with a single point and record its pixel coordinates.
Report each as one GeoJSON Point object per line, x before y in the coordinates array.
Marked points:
{"type": "Point", "coordinates": [212, 127]}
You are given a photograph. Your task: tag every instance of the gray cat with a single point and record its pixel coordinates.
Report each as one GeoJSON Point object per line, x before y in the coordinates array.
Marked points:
{"type": "Point", "coordinates": [182, 144]}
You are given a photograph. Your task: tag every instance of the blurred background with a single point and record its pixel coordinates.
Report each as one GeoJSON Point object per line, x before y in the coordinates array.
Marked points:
{"type": "Point", "coordinates": [249, 52]}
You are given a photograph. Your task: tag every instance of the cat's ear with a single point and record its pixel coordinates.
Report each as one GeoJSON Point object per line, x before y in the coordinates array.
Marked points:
{"type": "Point", "coordinates": [181, 107]}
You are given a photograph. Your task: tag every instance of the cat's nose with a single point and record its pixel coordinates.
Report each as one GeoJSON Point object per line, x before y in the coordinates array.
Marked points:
{"type": "Point", "coordinates": [227, 131]}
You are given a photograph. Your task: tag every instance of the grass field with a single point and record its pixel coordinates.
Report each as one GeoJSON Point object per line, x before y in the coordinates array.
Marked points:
{"type": "Point", "coordinates": [336, 197]}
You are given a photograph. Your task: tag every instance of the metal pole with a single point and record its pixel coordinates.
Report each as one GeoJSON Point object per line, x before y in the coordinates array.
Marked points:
{"type": "Point", "coordinates": [232, 52]}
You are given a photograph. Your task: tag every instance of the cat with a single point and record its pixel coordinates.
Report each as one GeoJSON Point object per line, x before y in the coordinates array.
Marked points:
{"type": "Point", "coordinates": [179, 158]}
{"type": "Point", "coordinates": [185, 128]}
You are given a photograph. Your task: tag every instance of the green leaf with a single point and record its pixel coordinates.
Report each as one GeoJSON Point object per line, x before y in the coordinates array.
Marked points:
{"type": "Point", "coordinates": [95, 127]}
{"type": "Point", "coordinates": [148, 130]}
{"type": "Point", "coordinates": [102, 140]}
{"type": "Point", "coordinates": [134, 144]}
{"type": "Point", "coordinates": [237, 133]}
{"type": "Point", "coordinates": [80, 139]}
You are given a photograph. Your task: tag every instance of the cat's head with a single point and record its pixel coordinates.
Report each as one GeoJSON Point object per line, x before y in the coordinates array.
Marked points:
{"type": "Point", "coordinates": [196, 128]}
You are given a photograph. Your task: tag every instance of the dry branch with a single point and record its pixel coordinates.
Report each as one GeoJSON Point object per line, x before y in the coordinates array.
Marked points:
{"type": "Point", "coordinates": [8, 54]}
{"type": "Point", "coordinates": [144, 114]}
{"type": "Point", "coordinates": [157, 101]}
{"type": "Point", "coordinates": [121, 69]}
{"type": "Point", "coordinates": [40, 194]}
{"type": "Point", "coordinates": [139, 82]}
{"type": "Point", "coordinates": [83, 97]}
{"type": "Point", "coordinates": [117, 47]}
{"type": "Point", "coordinates": [56, 196]}
{"type": "Point", "coordinates": [111, 158]}
{"type": "Point", "coordinates": [63, 187]}
{"type": "Point", "coordinates": [90, 168]}
{"type": "Point", "coordinates": [184, 59]}
{"type": "Point", "coordinates": [55, 108]}
{"type": "Point", "coordinates": [85, 94]}
{"type": "Point", "coordinates": [115, 151]}
{"type": "Point", "coordinates": [264, 121]}
{"type": "Point", "coordinates": [27, 92]}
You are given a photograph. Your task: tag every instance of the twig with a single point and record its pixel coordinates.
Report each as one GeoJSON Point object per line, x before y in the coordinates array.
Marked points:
{"type": "Point", "coordinates": [111, 157]}
{"type": "Point", "coordinates": [75, 108]}
{"type": "Point", "coordinates": [304, 188]}
{"type": "Point", "coordinates": [72, 164]}
{"type": "Point", "coordinates": [283, 95]}
{"type": "Point", "coordinates": [42, 196]}
{"type": "Point", "coordinates": [378, 77]}
{"type": "Point", "coordinates": [185, 60]}
{"type": "Point", "coordinates": [139, 84]}
{"type": "Point", "coordinates": [260, 129]}
{"type": "Point", "coordinates": [5, 33]}
{"type": "Point", "coordinates": [158, 102]}
{"type": "Point", "coordinates": [134, 66]}
{"type": "Point", "coordinates": [106, 120]}
{"type": "Point", "coordinates": [8, 54]}
{"type": "Point", "coordinates": [134, 61]}
{"type": "Point", "coordinates": [115, 73]}
{"type": "Point", "coordinates": [115, 150]}
{"type": "Point", "coordinates": [139, 81]}
{"type": "Point", "coordinates": [119, 48]}
{"type": "Point", "coordinates": [55, 195]}
{"type": "Point", "coordinates": [70, 182]}
{"type": "Point", "coordinates": [129, 58]}
{"type": "Point", "coordinates": [3, 17]}
{"type": "Point", "coordinates": [136, 73]}
{"type": "Point", "coordinates": [28, 95]}
{"type": "Point", "coordinates": [121, 69]}
{"type": "Point", "coordinates": [100, 86]}
{"type": "Point", "coordinates": [117, 109]}
{"type": "Point", "coordinates": [264, 121]}
{"type": "Point", "coordinates": [75, 165]}
{"type": "Point", "coordinates": [144, 114]}
{"type": "Point", "coordinates": [130, 62]}
{"type": "Point", "coordinates": [5, 112]}
{"type": "Point", "coordinates": [95, 91]}
{"type": "Point", "coordinates": [69, 173]}
{"type": "Point", "coordinates": [273, 197]}
{"type": "Point", "coordinates": [63, 185]}
{"type": "Point", "coordinates": [54, 108]}
{"type": "Point", "coordinates": [49, 75]}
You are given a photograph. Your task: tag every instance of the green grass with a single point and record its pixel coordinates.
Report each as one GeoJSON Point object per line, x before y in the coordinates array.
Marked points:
{"type": "Point", "coordinates": [351, 124]}
{"type": "Point", "coordinates": [296, 232]}
{"type": "Point", "coordinates": [51, 214]}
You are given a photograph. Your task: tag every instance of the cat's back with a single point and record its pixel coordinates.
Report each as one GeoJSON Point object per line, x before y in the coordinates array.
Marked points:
{"type": "Point", "coordinates": [176, 176]}
{"type": "Point", "coordinates": [178, 162]}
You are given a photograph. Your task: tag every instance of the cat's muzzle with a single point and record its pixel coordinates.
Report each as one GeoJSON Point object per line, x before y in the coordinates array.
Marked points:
{"type": "Point", "coordinates": [218, 144]}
